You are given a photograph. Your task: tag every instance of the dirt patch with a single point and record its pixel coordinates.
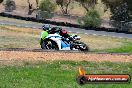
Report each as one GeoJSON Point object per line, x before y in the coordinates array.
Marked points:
{"type": "Point", "coordinates": [51, 56]}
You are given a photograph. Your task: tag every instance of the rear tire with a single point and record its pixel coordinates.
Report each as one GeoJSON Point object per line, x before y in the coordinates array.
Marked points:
{"type": "Point", "coordinates": [49, 44]}
{"type": "Point", "coordinates": [54, 45]}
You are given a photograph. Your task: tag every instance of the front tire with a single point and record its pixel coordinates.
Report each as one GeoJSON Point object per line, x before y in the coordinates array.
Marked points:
{"type": "Point", "coordinates": [80, 46]}
{"type": "Point", "coordinates": [83, 47]}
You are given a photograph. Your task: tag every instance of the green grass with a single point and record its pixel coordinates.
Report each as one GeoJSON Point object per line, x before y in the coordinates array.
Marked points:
{"type": "Point", "coordinates": [59, 74]}
{"type": "Point", "coordinates": [125, 48]}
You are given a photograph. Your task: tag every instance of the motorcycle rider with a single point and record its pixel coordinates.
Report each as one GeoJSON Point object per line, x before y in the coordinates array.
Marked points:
{"type": "Point", "coordinates": [60, 31]}
{"type": "Point", "coordinates": [47, 29]}
{"type": "Point", "coordinates": [45, 32]}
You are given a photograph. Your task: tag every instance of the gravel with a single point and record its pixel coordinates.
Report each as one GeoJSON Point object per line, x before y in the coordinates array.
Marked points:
{"type": "Point", "coordinates": [51, 56]}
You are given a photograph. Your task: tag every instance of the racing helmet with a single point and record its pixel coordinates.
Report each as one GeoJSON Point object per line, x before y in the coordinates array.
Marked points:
{"type": "Point", "coordinates": [46, 27]}
{"type": "Point", "coordinates": [53, 30]}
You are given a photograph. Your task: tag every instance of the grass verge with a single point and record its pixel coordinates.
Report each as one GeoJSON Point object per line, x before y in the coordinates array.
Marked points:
{"type": "Point", "coordinates": [59, 74]}
{"type": "Point", "coordinates": [126, 48]}
{"type": "Point", "coordinates": [15, 37]}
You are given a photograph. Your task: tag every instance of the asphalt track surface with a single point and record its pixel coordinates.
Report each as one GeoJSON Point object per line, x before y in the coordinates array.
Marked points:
{"type": "Point", "coordinates": [70, 29]}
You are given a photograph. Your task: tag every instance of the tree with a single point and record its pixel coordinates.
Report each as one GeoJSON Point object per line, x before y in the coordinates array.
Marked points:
{"type": "Point", "coordinates": [30, 7]}
{"type": "Point", "coordinates": [47, 5]}
{"type": "Point", "coordinates": [91, 19]}
{"type": "Point", "coordinates": [120, 9]}
{"type": "Point", "coordinates": [1, 1]}
{"type": "Point", "coordinates": [129, 3]}
{"type": "Point", "coordinates": [112, 4]}
{"type": "Point", "coordinates": [9, 5]}
{"type": "Point", "coordinates": [120, 13]}
{"type": "Point", "coordinates": [64, 4]}
{"type": "Point", "coordinates": [30, 10]}
{"type": "Point", "coordinates": [88, 4]}
{"type": "Point", "coordinates": [37, 4]}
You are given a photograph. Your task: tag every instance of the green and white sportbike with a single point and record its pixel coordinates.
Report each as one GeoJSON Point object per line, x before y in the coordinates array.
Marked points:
{"type": "Point", "coordinates": [57, 42]}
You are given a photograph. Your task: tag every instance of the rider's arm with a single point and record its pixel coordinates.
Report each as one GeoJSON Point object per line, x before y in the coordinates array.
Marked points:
{"type": "Point", "coordinates": [43, 35]}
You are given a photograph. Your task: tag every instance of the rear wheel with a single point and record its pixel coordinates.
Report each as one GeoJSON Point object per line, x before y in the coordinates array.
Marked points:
{"type": "Point", "coordinates": [52, 45]}
{"type": "Point", "coordinates": [49, 44]}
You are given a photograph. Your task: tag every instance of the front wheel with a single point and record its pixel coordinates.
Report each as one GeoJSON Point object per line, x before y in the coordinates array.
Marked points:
{"type": "Point", "coordinates": [83, 47]}
{"type": "Point", "coordinates": [80, 46]}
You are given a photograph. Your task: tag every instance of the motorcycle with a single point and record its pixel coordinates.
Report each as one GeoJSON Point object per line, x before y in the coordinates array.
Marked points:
{"type": "Point", "coordinates": [57, 42]}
